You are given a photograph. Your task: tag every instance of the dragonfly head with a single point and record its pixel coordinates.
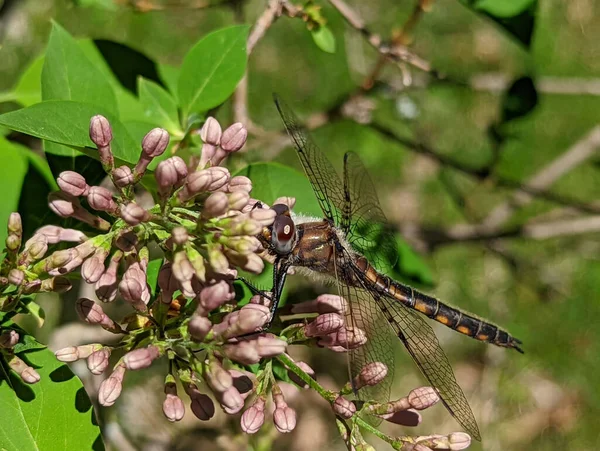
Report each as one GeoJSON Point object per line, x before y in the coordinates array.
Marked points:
{"type": "Point", "coordinates": [283, 231]}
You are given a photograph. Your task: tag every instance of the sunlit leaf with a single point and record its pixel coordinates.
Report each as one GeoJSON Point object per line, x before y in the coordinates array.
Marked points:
{"type": "Point", "coordinates": [324, 39]}
{"type": "Point", "coordinates": [212, 69]}
{"type": "Point", "coordinates": [55, 413]}
{"type": "Point", "coordinates": [159, 106]}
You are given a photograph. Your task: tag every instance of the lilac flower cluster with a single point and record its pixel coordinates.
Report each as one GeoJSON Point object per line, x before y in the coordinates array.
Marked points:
{"type": "Point", "coordinates": [202, 229]}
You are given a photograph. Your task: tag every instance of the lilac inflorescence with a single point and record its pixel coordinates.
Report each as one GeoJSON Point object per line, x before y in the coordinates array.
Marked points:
{"type": "Point", "coordinates": [202, 230]}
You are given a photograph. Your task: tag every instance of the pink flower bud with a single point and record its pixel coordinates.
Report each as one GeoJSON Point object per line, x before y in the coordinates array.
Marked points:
{"type": "Point", "coordinates": [324, 325]}
{"type": "Point", "coordinates": [97, 362]}
{"type": "Point", "coordinates": [345, 337]}
{"type": "Point", "coordinates": [131, 290]}
{"type": "Point", "coordinates": [249, 318]}
{"type": "Point", "coordinates": [344, 408]}
{"type": "Point", "coordinates": [371, 374]}
{"type": "Point", "coordinates": [217, 259]}
{"type": "Point", "coordinates": [180, 235]}
{"type": "Point", "coordinates": [238, 200]}
{"type": "Point", "coordinates": [68, 354]}
{"type": "Point", "coordinates": [422, 398]}
{"type": "Point", "coordinates": [122, 176]}
{"type": "Point", "coordinates": [459, 441]}
{"type": "Point", "coordinates": [284, 416]}
{"type": "Point", "coordinates": [90, 312]}
{"type": "Point", "coordinates": [173, 408]}
{"type": "Point", "coordinates": [231, 400]}
{"type": "Point", "coordinates": [14, 224]}
{"type": "Point", "coordinates": [56, 285]}
{"type": "Point", "coordinates": [253, 417]}
{"type": "Point", "coordinates": [211, 131]}
{"type": "Point", "coordinates": [325, 303]}
{"type": "Point", "coordinates": [55, 234]}
{"type": "Point", "coordinates": [72, 183]}
{"type": "Point", "coordinates": [101, 199]}
{"type": "Point", "coordinates": [106, 287]}
{"type": "Point", "coordinates": [269, 345]}
{"type": "Point", "coordinates": [8, 339]}
{"type": "Point", "coordinates": [215, 295]}
{"type": "Point", "coordinates": [242, 382]}
{"type": "Point", "coordinates": [133, 214]}
{"type": "Point", "coordinates": [198, 327]}
{"type": "Point", "coordinates": [169, 173]}
{"type": "Point", "coordinates": [30, 376]}
{"type": "Point", "coordinates": [234, 137]}
{"type": "Point", "coordinates": [141, 358]}
{"type": "Point", "coordinates": [93, 268]}
{"type": "Point", "coordinates": [155, 142]}
{"type": "Point", "coordinates": [217, 378]}
{"type": "Point", "coordinates": [110, 388]}
{"type": "Point", "coordinates": [35, 249]}
{"type": "Point", "coordinates": [408, 417]}
{"type": "Point", "coordinates": [264, 217]}
{"type": "Point", "coordinates": [16, 276]}
{"type": "Point", "coordinates": [100, 131]}
{"type": "Point", "coordinates": [62, 204]}
{"type": "Point", "coordinates": [215, 205]}
{"type": "Point", "coordinates": [240, 183]}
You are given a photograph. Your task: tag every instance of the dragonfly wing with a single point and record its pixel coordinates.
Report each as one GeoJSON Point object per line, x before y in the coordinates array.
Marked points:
{"type": "Point", "coordinates": [364, 314]}
{"type": "Point", "coordinates": [363, 220]}
{"type": "Point", "coordinates": [324, 179]}
{"type": "Point", "coordinates": [423, 346]}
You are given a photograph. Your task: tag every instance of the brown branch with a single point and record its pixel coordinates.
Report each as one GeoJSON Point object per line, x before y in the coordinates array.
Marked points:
{"type": "Point", "coordinates": [397, 53]}
{"type": "Point", "coordinates": [545, 177]}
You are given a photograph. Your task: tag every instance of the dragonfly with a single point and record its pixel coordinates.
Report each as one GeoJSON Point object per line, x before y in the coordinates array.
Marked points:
{"type": "Point", "coordinates": [351, 243]}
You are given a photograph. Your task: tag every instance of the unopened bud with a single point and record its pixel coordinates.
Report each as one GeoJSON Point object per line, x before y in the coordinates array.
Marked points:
{"type": "Point", "coordinates": [173, 407]}
{"type": "Point", "coordinates": [110, 388]}
{"type": "Point", "coordinates": [180, 235]}
{"type": "Point", "coordinates": [72, 183]}
{"type": "Point", "coordinates": [155, 142]}
{"type": "Point", "coordinates": [234, 137]}
{"type": "Point", "coordinates": [98, 361]}
{"type": "Point", "coordinates": [170, 172]}
{"type": "Point", "coordinates": [371, 374]}
{"type": "Point", "coordinates": [324, 325]}
{"type": "Point", "coordinates": [89, 311]}
{"type": "Point", "coordinates": [133, 214]}
{"type": "Point", "coordinates": [423, 397]}
{"type": "Point", "coordinates": [210, 132]}
{"type": "Point", "coordinates": [264, 217]}
{"type": "Point", "coordinates": [215, 205]}
{"type": "Point", "coordinates": [198, 327]}
{"type": "Point", "coordinates": [141, 358]}
{"type": "Point", "coordinates": [217, 378]}
{"type": "Point", "coordinates": [8, 339]}
{"type": "Point", "coordinates": [238, 200]}
{"type": "Point", "coordinates": [325, 303]}
{"type": "Point", "coordinates": [254, 417]}
{"type": "Point", "coordinates": [16, 276]}
{"type": "Point", "coordinates": [240, 183]}
{"type": "Point", "coordinates": [62, 204]}
{"type": "Point", "coordinates": [231, 400]}
{"type": "Point", "coordinates": [343, 407]}
{"type": "Point", "coordinates": [101, 199]}
{"type": "Point", "coordinates": [122, 176]}
{"type": "Point", "coordinates": [100, 131]}
{"type": "Point", "coordinates": [93, 268]}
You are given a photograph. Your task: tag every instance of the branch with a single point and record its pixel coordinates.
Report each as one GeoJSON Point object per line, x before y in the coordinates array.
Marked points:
{"type": "Point", "coordinates": [545, 177]}
{"type": "Point", "coordinates": [397, 53]}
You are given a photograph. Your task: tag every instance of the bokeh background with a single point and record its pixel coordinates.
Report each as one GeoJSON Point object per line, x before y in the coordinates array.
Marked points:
{"type": "Point", "coordinates": [445, 152]}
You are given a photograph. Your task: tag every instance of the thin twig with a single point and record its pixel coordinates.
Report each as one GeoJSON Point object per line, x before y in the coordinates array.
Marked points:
{"type": "Point", "coordinates": [397, 53]}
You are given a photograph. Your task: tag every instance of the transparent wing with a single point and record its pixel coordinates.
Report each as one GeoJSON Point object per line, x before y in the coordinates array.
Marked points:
{"type": "Point", "coordinates": [423, 346]}
{"type": "Point", "coordinates": [363, 313]}
{"type": "Point", "coordinates": [363, 220]}
{"type": "Point", "coordinates": [323, 177]}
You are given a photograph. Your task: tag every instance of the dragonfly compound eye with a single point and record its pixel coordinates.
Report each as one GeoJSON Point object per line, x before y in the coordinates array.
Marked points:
{"type": "Point", "coordinates": [284, 232]}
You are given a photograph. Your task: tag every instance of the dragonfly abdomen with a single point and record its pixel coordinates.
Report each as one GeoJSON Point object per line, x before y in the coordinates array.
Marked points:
{"type": "Point", "coordinates": [462, 322]}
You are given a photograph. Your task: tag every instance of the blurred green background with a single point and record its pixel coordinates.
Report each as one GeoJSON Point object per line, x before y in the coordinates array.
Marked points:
{"type": "Point", "coordinates": [546, 291]}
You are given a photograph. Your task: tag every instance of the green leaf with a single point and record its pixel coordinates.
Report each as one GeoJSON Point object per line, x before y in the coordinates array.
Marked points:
{"type": "Point", "coordinates": [67, 122]}
{"type": "Point", "coordinates": [37, 312]}
{"type": "Point", "coordinates": [169, 76]}
{"type": "Point", "coordinates": [324, 39]}
{"type": "Point", "coordinates": [152, 273]}
{"type": "Point", "coordinates": [29, 89]}
{"type": "Point", "coordinates": [410, 265]}
{"type": "Point", "coordinates": [55, 413]}
{"type": "Point", "coordinates": [69, 75]}
{"type": "Point", "coordinates": [515, 16]}
{"type": "Point", "coordinates": [12, 173]}
{"type": "Point", "coordinates": [27, 343]}
{"type": "Point", "coordinates": [159, 106]}
{"type": "Point", "coordinates": [273, 180]}
{"type": "Point", "coordinates": [212, 69]}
